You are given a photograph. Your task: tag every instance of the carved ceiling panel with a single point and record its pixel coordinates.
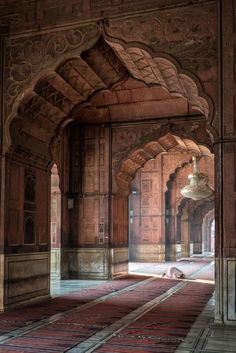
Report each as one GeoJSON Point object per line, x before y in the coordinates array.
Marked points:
{"type": "Point", "coordinates": [51, 94]}
{"type": "Point", "coordinates": [81, 77]}
{"type": "Point", "coordinates": [161, 72]}
{"type": "Point", "coordinates": [39, 118]}
{"type": "Point", "coordinates": [103, 61]}
{"type": "Point", "coordinates": [153, 148]}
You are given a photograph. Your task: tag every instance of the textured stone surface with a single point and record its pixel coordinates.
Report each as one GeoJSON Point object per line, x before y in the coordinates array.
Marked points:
{"type": "Point", "coordinates": [27, 277]}
{"type": "Point", "coordinates": [88, 263]}
{"type": "Point", "coordinates": [121, 64]}
{"type": "Point", "coordinates": [175, 221]}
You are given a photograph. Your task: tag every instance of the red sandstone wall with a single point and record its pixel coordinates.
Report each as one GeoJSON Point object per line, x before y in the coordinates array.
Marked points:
{"type": "Point", "coordinates": [27, 207]}
{"type": "Point", "coordinates": [89, 190]}
{"type": "Point", "coordinates": [146, 204]}
{"type": "Point", "coordinates": [147, 200]}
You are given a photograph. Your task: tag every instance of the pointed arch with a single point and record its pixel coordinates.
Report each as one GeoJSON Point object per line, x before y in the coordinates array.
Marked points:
{"type": "Point", "coordinates": [57, 95]}
{"type": "Point", "coordinates": [138, 157]}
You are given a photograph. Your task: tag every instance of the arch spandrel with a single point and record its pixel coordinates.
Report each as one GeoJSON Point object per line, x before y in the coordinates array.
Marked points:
{"type": "Point", "coordinates": [161, 71]}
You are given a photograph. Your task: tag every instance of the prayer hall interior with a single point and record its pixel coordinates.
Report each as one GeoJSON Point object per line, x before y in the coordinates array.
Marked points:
{"type": "Point", "coordinates": [118, 160]}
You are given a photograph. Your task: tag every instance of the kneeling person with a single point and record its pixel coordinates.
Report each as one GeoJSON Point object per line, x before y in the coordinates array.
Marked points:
{"type": "Point", "coordinates": [174, 272]}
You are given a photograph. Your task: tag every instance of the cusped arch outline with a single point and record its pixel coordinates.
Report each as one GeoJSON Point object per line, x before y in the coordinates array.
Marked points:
{"type": "Point", "coordinates": [138, 157]}
{"type": "Point", "coordinates": [202, 151]}
{"type": "Point", "coordinates": [175, 173]}
{"type": "Point", "coordinates": [56, 93]}
{"type": "Point", "coordinates": [162, 69]}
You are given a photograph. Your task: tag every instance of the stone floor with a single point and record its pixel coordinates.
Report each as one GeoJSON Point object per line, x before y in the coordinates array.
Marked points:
{"type": "Point", "coordinates": [204, 336]}
{"type": "Point", "coordinates": [147, 313]}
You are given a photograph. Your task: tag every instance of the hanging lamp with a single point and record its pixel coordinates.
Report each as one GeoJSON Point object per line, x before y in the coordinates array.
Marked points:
{"type": "Point", "coordinates": [198, 188]}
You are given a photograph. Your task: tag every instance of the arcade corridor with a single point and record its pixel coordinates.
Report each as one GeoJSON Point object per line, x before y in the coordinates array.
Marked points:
{"type": "Point", "coordinates": [117, 158]}
{"type": "Point", "coordinates": [141, 313]}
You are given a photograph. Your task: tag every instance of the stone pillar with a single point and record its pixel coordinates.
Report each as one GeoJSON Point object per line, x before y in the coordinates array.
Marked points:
{"type": "Point", "coordinates": [208, 244]}
{"type": "Point", "coordinates": [98, 246]}
{"type": "Point", "coordinates": [185, 236]}
{"type": "Point", "coordinates": [2, 233]}
{"type": "Point", "coordinates": [178, 236]}
{"type": "Point", "coordinates": [206, 234]}
{"type": "Point", "coordinates": [63, 164]}
{"type": "Point", "coordinates": [196, 233]}
{"type": "Point", "coordinates": [24, 220]}
{"type": "Point", "coordinates": [27, 236]}
{"type": "Point", "coordinates": [147, 214]}
{"type": "Point", "coordinates": [226, 175]}
{"type": "Point", "coordinates": [55, 225]}
{"type": "Point", "coordinates": [119, 237]}
{"type": "Point", "coordinates": [135, 219]}
{"type": "Point", "coordinates": [3, 31]}
{"type": "Point", "coordinates": [170, 224]}
{"type": "Point", "coordinates": [88, 252]}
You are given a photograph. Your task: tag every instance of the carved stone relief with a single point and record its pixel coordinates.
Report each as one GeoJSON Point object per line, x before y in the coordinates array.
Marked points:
{"type": "Point", "coordinates": [131, 138]}
{"type": "Point", "coordinates": [127, 161]}
{"type": "Point", "coordinates": [25, 15]}
{"type": "Point", "coordinates": [26, 57]}
{"type": "Point", "coordinates": [164, 32]}
{"type": "Point", "coordinates": [188, 37]}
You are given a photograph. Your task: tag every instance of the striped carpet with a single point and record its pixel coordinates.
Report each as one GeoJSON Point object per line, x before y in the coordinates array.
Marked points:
{"type": "Point", "coordinates": [163, 328]}
{"type": "Point", "coordinates": [138, 314]}
{"type": "Point", "coordinates": [159, 330]}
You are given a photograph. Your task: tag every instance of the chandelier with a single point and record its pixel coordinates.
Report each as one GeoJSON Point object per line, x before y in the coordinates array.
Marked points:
{"type": "Point", "coordinates": [197, 188]}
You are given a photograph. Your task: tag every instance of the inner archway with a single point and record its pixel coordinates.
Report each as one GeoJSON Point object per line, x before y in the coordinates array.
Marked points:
{"type": "Point", "coordinates": [208, 232]}
{"type": "Point", "coordinates": [104, 92]}
{"type": "Point", "coordinates": [162, 224]}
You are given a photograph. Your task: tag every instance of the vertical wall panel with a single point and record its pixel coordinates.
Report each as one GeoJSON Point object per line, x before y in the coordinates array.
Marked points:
{"type": "Point", "coordinates": [231, 289]}
{"type": "Point", "coordinates": [226, 169]}
{"type": "Point", "coordinates": [14, 202]}
{"type": "Point", "coordinates": [91, 217]}
{"type": "Point", "coordinates": [43, 207]}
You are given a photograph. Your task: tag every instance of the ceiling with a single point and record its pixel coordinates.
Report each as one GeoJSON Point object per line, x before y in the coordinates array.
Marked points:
{"type": "Point", "coordinates": [105, 84]}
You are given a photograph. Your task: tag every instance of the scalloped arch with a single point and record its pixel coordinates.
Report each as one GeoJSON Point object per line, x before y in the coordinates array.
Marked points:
{"type": "Point", "coordinates": [159, 70]}
{"type": "Point", "coordinates": [137, 158]}
{"type": "Point", "coordinates": [50, 100]}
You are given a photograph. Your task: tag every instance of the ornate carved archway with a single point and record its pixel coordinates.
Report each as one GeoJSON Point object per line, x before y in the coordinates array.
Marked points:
{"type": "Point", "coordinates": [139, 156]}
{"type": "Point", "coordinates": [103, 84]}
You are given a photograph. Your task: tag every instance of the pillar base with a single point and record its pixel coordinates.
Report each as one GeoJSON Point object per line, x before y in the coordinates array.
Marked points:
{"type": "Point", "coordinates": [225, 291]}
{"type": "Point", "coordinates": [147, 252]}
{"type": "Point", "coordinates": [95, 263]}
{"type": "Point", "coordinates": [197, 248]}
{"type": "Point", "coordinates": [170, 252]}
{"type": "Point", "coordinates": [26, 278]}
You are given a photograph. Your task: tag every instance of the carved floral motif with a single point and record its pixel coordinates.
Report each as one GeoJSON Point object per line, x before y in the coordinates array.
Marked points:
{"type": "Point", "coordinates": [131, 136]}
{"type": "Point", "coordinates": [189, 35]}
{"type": "Point", "coordinates": [25, 58]}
